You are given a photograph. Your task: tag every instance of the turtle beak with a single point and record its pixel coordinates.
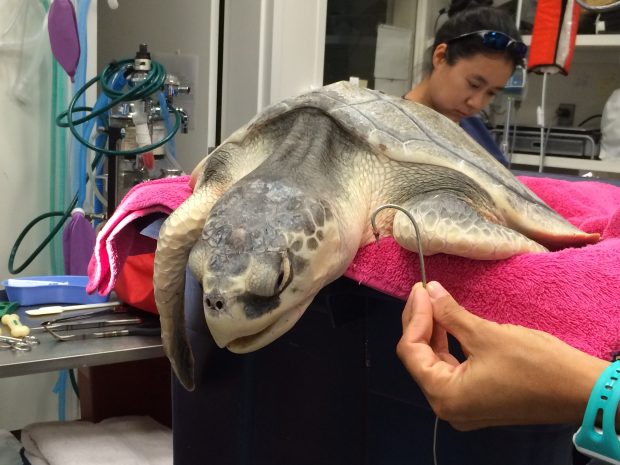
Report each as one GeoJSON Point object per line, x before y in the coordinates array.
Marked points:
{"type": "Point", "coordinates": [269, 334]}
{"type": "Point", "coordinates": [249, 310]}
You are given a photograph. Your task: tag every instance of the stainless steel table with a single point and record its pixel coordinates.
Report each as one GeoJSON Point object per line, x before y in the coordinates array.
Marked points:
{"type": "Point", "coordinates": [51, 354]}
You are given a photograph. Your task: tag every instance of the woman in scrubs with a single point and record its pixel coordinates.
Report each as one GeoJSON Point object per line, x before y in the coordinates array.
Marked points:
{"type": "Point", "coordinates": [473, 55]}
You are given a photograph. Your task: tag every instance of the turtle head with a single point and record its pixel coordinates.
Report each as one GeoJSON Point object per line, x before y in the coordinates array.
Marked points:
{"type": "Point", "coordinates": [262, 261]}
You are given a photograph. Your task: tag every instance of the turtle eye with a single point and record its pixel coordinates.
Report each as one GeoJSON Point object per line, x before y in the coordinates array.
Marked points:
{"type": "Point", "coordinates": [284, 275]}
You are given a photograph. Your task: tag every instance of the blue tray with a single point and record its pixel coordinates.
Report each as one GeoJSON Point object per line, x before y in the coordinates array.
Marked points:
{"type": "Point", "coordinates": [35, 290]}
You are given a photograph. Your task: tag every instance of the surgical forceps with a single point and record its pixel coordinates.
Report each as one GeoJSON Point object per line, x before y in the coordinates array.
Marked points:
{"type": "Point", "coordinates": [375, 231]}
{"type": "Point", "coordinates": [80, 322]}
{"type": "Point", "coordinates": [22, 344]}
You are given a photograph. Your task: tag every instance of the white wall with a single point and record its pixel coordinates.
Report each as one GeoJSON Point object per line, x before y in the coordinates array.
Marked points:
{"type": "Point", "coordinates": [182, 28]}
{"type": "Point", "coordinates": [273, 49]}
{"type": "Point", "coordinates": [592, 79]}
{"type": "Point", "coordinates": [24, 133]}
{"type": "Point", "coordinates": [240, 86]}
{"type": "Point", "coordinates": [25, 186]}
{"type": "Point", "coordinates": [427, 13]}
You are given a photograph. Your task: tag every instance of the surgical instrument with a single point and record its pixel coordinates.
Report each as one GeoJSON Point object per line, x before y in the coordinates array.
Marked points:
{"type": "Point", "coordinates": [54, 328]}
{"type": "Point", "coordinates": [139, 326]}
{"type": "Point", "coordinates": [136, 331]}
{"type": "Point", "coordinates": [56, 309]}
{"type": "Point", "coordinates": [375, 231]}
{"type": "Point", "coordinates": [82, 316]}
{"type": "Point", "coordinates": [23, 344]}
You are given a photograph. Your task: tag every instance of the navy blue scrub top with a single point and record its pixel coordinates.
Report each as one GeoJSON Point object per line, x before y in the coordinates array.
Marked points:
{"type": "Point", "coordinates": [474, 126]}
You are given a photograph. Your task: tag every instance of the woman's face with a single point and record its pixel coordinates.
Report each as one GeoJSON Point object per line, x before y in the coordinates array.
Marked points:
{"type": "Point", "coordinates": [467, 86]}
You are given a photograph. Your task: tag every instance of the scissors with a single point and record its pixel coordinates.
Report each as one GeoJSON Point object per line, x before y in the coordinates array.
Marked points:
{"type": "Point", "coordinates": [22, 344]}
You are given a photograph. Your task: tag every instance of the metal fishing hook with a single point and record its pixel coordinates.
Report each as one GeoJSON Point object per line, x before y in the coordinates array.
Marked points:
{"type": "Point", "coordinates": [375, 231]}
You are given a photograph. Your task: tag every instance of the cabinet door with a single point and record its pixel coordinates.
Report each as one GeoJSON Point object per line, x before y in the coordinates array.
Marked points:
{"type": "Point", "coordinates": [379, 43]}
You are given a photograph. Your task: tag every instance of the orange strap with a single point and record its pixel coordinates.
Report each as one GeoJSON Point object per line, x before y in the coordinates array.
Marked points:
{"type": "Point", "coordinates": [553, 39]}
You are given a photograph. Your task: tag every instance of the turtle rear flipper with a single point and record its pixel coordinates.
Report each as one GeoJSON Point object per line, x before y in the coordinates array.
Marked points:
{"type": "Point", "coordinates": [449, 224]}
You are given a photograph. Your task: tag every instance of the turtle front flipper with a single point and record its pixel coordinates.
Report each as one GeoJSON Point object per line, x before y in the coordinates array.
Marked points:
{"type": "Point", "coordinates": [240, 154]}
{"type": "Point", "coordinates": [449, 224]}
{"type": "Point", "coordinates": [176, 238]}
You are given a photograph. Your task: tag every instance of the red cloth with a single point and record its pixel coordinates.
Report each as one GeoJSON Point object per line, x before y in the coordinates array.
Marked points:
{"type": "Point", "coordinates": [134, 284]}
{"type": "Point", "coordinates": [120, 236]}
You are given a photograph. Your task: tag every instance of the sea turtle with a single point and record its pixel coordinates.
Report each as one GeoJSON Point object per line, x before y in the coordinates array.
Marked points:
{"type": "Point", "coordinates": [281, 207]}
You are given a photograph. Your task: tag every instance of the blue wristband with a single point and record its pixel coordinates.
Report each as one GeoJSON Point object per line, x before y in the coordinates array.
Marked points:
{"type": "Point", "coordinates": [603, 444]}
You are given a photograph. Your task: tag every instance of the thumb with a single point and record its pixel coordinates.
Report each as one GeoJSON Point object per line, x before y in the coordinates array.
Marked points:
{"type": "Point", "coordinates": [450, 315]}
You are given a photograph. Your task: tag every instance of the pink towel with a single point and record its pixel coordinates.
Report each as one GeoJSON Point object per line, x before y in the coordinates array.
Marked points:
{"type": "Point", "coordinates": [572, 293]}
{"type": "Point", "coordinates": [120, 236]}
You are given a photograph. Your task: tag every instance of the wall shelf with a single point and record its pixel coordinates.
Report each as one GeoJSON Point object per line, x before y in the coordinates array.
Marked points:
{"type": "Point", "coordinates": [603, 166]}
{"type": "Point", "coordinates": [589, 40]}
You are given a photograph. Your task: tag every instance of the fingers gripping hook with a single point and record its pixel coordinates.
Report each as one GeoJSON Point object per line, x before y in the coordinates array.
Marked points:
{"type": "Point", "coordinates": [375, 231]}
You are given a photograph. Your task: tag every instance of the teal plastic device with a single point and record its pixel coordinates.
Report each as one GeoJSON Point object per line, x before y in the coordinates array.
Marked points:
{"type": "Point", "coordinates": [515, 87]}
{"type": "Point", "coordinates": [602, 443]}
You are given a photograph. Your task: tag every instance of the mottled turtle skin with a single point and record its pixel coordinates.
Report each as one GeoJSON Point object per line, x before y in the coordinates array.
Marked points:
{"type": "Point", "coordinates": [281, 207]}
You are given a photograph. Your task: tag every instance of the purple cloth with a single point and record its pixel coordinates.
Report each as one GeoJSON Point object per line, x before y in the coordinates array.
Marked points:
{"type": "Point", "coordinates": [78, 243]}
{"type": "Point", "coordinates": [63, 33]}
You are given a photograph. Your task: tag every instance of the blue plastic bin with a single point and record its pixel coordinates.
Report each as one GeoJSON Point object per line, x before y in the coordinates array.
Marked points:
{"type": "Point", "coordinates": [51, 290]}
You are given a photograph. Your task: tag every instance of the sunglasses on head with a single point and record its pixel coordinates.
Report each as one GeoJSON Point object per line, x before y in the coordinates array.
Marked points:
{"type": "Point", "coordinates": [497, 41]}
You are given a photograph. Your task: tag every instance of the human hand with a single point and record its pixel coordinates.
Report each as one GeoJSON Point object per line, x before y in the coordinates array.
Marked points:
{"type": "Point", "coordinates": [512, 375]}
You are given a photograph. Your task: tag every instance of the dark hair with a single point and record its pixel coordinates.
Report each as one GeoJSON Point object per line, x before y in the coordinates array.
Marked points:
{"type": "Point", "coordinates": [476, 19]}
{"type": "Point", "coordinates": [457, 6]}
